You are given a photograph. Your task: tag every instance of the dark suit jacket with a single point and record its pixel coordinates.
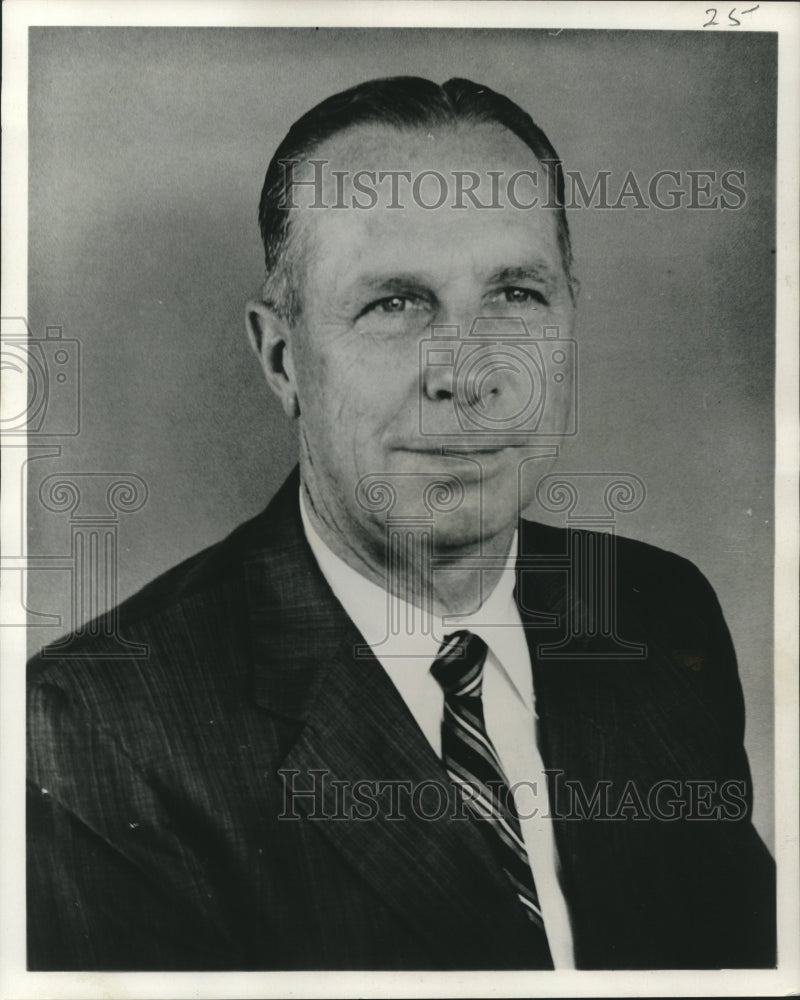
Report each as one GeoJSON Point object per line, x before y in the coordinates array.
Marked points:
{"type": "Point", "coordinates": [155, 837]}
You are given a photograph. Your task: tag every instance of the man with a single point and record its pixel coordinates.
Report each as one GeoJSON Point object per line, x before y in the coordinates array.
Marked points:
{"type": "Point", "coordinates": [378, 727]}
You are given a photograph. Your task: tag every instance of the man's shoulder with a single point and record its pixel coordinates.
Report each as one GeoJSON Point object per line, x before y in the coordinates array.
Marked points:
{"type": "Point", "coordinates": [659, 587]}
{"type": "Point", "coordinates": [632, 557]}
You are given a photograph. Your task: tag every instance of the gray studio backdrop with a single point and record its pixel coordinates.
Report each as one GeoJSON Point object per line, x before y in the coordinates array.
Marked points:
{"type": "Point", "coordinates": [147, 153]}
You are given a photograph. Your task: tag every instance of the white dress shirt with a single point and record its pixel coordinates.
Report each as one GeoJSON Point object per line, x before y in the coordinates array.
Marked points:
{"type": "Point", "coordinates": [508, 701]}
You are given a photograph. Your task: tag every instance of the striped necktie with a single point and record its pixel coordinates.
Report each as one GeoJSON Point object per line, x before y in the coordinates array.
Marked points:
{"type": "Point", "coordinates": [472, 763]}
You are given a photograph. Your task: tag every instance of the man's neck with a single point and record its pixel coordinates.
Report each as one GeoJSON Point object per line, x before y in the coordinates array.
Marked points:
{"type": "Point", "coordinates": [460, 584]}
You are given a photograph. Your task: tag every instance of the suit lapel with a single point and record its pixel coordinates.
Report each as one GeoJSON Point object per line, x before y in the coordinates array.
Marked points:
{"type": "Point", "coordinates": [573, 697]}
{"type": "Point", "coordinates": [360, 750]}
{"type": "Point", "coordinates": [612, 725]}
{"type": "Point", "coordinates": [435, 872]}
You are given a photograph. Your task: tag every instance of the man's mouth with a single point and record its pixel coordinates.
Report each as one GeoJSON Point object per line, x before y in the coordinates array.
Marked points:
{"type": "Point", "coordinates": [450, 451]}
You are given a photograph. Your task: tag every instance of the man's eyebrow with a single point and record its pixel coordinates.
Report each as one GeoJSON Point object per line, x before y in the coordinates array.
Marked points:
{"type": "Point", "coordinates": [391, 282]}
{"type": "Point", "coordinates": [533, 271]}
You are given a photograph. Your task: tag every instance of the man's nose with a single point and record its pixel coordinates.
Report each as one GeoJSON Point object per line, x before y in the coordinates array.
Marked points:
{"type": "Point", "coordinates": [438, 376]}
{"type": "Point", "coordinates": [472, 378]}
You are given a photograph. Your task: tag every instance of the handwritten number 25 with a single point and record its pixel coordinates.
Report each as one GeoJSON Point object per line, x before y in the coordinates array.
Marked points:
{"type": "Point", "coordinates": [732, 20]}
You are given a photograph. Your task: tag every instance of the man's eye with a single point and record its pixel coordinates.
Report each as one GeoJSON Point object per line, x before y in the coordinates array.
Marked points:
{"type": "Point", "coordinates": [394, 304]}
{"type": "Point", "coordinates": [522, 296]}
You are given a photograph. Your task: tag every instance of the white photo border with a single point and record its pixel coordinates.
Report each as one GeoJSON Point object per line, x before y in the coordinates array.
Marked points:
{"type": "Point", "coordinates": [784, 19]}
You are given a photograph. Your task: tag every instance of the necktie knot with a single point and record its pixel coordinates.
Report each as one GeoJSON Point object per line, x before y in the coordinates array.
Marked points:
{"type": "Point", "coordinates": [458, 666]}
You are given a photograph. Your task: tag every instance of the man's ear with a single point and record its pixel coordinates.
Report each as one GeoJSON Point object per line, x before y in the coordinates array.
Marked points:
{"type": "Point", "coordinates": [268, 334]}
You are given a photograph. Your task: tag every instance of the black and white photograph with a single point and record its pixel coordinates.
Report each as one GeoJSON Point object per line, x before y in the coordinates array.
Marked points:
{"type": "Point", "coordinates": [399, 440]}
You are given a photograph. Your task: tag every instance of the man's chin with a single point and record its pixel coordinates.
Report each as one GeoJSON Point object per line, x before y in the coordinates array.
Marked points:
{"type": "Point", "coordinates": [458, 516]}
{"type": "Point", "coordinates": [472, 527]}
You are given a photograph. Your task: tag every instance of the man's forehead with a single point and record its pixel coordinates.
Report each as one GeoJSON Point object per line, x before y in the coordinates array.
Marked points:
{"type": "Point", "coordinates": [448, 148]}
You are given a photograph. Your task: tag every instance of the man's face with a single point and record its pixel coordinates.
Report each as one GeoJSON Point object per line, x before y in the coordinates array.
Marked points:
{"type": "Point", "coordinates": [377, 283]}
